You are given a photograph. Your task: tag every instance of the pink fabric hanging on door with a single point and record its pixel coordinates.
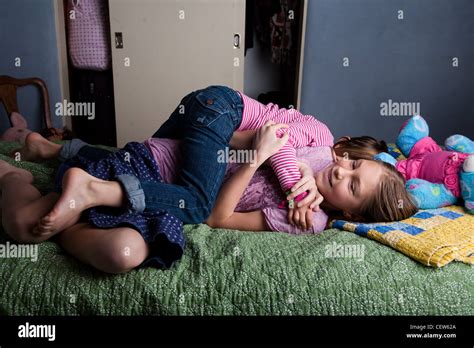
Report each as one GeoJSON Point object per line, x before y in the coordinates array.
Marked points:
{"type": "Point", "coordinates": [89, 34]}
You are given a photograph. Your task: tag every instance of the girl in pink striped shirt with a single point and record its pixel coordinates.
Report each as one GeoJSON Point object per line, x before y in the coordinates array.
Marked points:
{"type": "Point", "coordinates": [303, 130]}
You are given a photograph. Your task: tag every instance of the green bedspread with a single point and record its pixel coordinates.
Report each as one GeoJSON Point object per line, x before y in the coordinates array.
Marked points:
{"type": "Point", "coordinates": [226, 272]}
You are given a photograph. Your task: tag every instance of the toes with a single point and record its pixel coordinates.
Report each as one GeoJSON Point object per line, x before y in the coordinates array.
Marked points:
{"type": "Point", "coordinates": [46, 225]}
{"type": "Point", "coordinates": [39, 231]}
{"type": "Point", "coordinates": [45, 229]}
{"type": "Point", "coordinates": [47, 220]}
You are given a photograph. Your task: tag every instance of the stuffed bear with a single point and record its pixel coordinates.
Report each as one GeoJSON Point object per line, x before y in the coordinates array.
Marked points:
{"type": "Point", "coordinates": [434, 177]}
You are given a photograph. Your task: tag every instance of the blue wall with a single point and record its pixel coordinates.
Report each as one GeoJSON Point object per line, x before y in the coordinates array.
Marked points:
{"type": "Point", "coordinates": [407, 60]}
{"type": "Point", "coordinates": [28, 31]}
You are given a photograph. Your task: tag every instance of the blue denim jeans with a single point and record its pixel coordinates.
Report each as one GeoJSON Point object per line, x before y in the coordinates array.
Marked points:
{"type": "Point", "coordinates": [205, 121]}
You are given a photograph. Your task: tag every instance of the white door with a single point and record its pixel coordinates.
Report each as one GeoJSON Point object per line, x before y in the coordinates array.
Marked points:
{"type": "Point", "coordinates": [171, 48]}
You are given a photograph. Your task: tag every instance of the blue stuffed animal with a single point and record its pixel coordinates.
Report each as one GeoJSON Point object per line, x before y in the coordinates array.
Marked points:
{"type": "Point", "coordinates": [434, 177]}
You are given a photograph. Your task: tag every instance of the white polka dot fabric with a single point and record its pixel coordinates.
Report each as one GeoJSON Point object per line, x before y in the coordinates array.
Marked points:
{"type": "Point", "coordinates": [88, 34]}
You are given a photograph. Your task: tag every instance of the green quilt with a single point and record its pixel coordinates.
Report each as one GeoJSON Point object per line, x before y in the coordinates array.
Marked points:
{"type": "Point", "coordinates": [225, 272]}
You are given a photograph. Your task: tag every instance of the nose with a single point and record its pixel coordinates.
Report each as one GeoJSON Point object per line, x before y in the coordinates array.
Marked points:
{"type": "Point", "coordinates": [340, 172]}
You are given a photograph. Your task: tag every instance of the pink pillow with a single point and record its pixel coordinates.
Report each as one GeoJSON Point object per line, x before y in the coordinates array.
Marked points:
{"type": "Point", "coordinates": [88, 34]}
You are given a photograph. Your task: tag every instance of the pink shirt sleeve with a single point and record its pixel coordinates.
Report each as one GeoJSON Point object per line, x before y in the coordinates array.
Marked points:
{"type": "Point", "coordinates": [306, 132]}
{"type": "Point", "coordinates": [277, 220]}
{"type": "Point", "coordinates": [285, 167]}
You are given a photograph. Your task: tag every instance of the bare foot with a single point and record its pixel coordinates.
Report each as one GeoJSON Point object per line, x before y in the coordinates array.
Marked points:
{"type": "Point", "coordinates": [36, 148]}
{"type": "Point", "coordinates": [78, 195]}
{"type": "Point", "coordinates": [8, 171]}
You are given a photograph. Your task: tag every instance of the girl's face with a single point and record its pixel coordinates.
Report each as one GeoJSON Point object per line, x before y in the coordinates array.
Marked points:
{"type": "Point", "coordinates": [346, 184]}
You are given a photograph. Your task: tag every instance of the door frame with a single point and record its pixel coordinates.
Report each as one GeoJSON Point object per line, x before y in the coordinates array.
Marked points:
{"type": "Point", "coordinates": [63, 68]}
{"type": "Point", "coordinates": [300, 54]}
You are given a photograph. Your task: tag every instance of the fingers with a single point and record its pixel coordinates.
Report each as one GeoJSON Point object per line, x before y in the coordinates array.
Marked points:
{"type": "Point", "coordinates": [308, 199]}
{"type": "Point", "coordinates": [278, 125]}
{"type": "Point", "coordinates": [284, 138]}
{"type": "Point", "coordinates": [290, 217]}
{"type": "Point", "coordinates": [297, 188]}
{"type": "Point", "coordinates": [275, 126]}
{"type": "Point", "coordinates": [271, 123]}
{"type": "Point", "coordinates": [296, 216]}
{"type": "Point", "coordinates": [309, 218]}
{"type": "Point", "coordinates": [305, 219]}
{"type": "Point", "coordinates": [301, 218]}
{"type": "Point", "coordinates": [316, 203]}
{"type": "Point", "coordinates": [309, 187]}
{"type": "Point", "coordinates": [267, 142]}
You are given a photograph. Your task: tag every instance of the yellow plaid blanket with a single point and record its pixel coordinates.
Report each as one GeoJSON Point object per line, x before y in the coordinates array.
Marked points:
{"type": "Point", "coordinates": [434, 237]}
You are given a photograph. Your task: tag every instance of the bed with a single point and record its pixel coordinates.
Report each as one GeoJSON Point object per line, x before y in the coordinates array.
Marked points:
{"type": "Point", "coordinates": [226, 272]}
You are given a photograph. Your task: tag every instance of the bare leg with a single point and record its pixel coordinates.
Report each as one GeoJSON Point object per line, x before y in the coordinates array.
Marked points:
{"type": "Point", "coordinates": [81, 191]}
{"type": "Point", "coordinates": [22, 204]}
{"type": "Point", "coordinates": [37, 148]}
{"type": "Point", "coordinates": [115, 250]}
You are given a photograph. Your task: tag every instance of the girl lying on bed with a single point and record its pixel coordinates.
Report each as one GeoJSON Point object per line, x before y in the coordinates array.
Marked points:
{"type": "Point", "coordinates": [344, 185]}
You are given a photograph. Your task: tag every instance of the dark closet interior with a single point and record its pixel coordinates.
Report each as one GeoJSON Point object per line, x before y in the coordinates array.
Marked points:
{"type": "Point", "coordinates": [92, 84]}
{"type": "Point", "coordinates": [273, 28]}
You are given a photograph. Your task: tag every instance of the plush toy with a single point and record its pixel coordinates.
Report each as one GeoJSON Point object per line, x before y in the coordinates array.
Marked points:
{"type": "Point", "coordinates": [19, 131]}
{"type": "Point", "coordinates": [435, 177]}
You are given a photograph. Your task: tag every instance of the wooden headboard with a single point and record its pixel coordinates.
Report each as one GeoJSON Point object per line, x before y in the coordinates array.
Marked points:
{"type": "Point", "coordinates": [8, 96]}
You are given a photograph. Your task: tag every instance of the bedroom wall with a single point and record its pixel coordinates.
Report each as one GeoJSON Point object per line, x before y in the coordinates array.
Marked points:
{"type": "Point", "coordinates": [28, 32]}
{"type": "Point", "coordinates": [403, 60]}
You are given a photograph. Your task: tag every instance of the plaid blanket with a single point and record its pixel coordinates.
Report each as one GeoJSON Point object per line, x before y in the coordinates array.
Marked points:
{"type": "Point", "coordinates": [434, 237]}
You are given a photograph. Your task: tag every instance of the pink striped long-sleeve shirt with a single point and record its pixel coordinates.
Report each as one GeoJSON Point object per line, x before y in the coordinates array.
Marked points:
{"type": "Point", "coordinates": [304, 130]}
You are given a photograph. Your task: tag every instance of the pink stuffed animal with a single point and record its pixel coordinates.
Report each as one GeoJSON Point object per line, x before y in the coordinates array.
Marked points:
{"type": "Point", "coordinates": [19, 131]}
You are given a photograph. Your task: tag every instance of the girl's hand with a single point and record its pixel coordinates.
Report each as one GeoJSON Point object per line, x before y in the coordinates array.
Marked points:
{"type": "Point", "coordinates": [301, 217]}
{"type": "Point", "coordinates": [266, 143]}
{"type": "Point", "coordinates": [306, 183]}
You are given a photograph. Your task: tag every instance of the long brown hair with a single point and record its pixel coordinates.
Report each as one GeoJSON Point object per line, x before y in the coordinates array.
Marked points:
{"type": "Point", "coordinates": [364, 147]}
{"type": "Point", "coordinates": [391, 201]}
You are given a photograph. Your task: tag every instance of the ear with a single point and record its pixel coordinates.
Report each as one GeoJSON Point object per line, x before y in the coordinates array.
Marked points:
{"type": "Point", "coordinates": [18, 120]}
